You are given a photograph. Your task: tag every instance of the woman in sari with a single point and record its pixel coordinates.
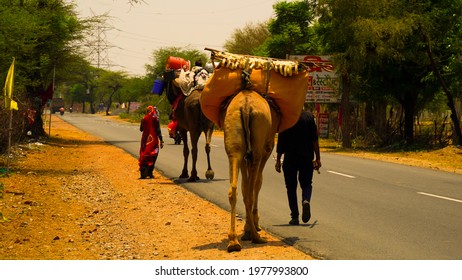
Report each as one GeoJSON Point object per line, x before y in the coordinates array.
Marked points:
{"type": "Point", "coordinates": [151, 139]}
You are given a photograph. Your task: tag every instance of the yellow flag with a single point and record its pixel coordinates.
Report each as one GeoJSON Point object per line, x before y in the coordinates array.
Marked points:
{"type": "Point", "coordinates": [8, 89]}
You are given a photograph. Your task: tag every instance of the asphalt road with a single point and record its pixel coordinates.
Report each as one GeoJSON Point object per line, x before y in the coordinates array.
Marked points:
{"type": "Point", "coordinates": [361, 209]}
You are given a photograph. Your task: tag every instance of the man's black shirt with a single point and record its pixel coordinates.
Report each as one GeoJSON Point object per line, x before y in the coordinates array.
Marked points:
{"type": "Point", "coordinates": [296, 143]}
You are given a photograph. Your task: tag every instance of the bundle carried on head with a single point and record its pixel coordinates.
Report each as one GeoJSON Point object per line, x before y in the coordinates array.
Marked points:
{"type": "Point", "coordinates": [284, 81]}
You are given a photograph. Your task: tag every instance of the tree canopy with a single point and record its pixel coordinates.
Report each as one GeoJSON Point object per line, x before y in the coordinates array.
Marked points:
{"type": "Point", "coordinates": [384, 43]}
{"type": "Point", "coordinates": [41, 35]}
{"type": "Point", "coordinates": [291, 30]}
{"type": "Point", "coordinates": [253, 34]}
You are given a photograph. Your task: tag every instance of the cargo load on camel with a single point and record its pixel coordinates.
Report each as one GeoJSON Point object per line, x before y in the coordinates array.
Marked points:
{"type": "Point", "coordinates": [282, 81]}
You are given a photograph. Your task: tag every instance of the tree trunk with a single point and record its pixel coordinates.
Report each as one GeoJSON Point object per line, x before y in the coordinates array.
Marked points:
{"type": "Point", "coordinates": [37, 127]}
{"type": "Point", "coordinates": [376, 117]}
{"type": "Point", "coordinates": [451, 104]}
{"type": "Point", "coordinates": [381, 117]}
{"type": "Point", "coordinates": [409, 112]}
{"type": "Point", "coordinates": [34, 95]}
{"type": "Point", "coordinates": [108, 107]}
{"type": "Point", "coordinates": [345, 104]}
{"type": "Point", "coordinates": [128, 107]}
{"type": "Point", "coordinates": [109, 103]}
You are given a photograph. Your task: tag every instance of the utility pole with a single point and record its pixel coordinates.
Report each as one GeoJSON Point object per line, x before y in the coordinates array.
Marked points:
{"type": "Point", "coordinates": [97, 46]}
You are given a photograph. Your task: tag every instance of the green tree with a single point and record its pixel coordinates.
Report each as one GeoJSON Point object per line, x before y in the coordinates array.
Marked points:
{"type": "Point", "coordinates": [87, 76]}
{"type": "Point", "coordinates": [291, 30]}
{"type": "Point", "coordinates": [108, 84]}
{"type": "Point", "coordinates": [381, 41]}
{"type": "Point", "coordinates": [160, 56]}
{"type": "Point", "coordinates": [336, 32]}
{"type": "Point", "coordinates": [135, 88]}
{"type": "Point", "coordinates": [75, 78]}
{"type": "Point", "coordinates": [77, 94]}
{"type": "Point", "coordinates": [41, 35]}
{"type": "Point", "coordinates": [441, 23]}
{"type": "Point", "coordinates": [247, 40]}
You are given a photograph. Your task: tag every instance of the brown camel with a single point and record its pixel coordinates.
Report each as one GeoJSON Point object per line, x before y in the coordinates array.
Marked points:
{"type": "Point", "coordinates": [191, 119]}
{"type": "Point", "coordinates": [251, 98]}
{"type": "Point", "coordinates": [249, 124]}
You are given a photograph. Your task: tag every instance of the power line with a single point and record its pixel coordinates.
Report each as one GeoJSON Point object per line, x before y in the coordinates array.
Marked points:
{"type": "Point", "coordinates": [97, 46]}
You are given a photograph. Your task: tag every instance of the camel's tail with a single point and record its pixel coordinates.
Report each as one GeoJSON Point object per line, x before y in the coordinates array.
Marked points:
{"type": "Point", "coordinates": [246, 112]}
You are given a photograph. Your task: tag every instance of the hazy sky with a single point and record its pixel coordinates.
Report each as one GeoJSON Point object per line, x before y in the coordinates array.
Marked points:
{"type": "Point", "coordinates": [140, 29]}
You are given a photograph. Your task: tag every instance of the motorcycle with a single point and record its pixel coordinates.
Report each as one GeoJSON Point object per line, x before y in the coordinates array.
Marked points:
{"type": "Point", "coordinates": [61, 111]}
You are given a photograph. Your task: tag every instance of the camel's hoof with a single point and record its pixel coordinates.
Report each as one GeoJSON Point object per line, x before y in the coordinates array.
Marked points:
{"type": "Point", "coordinates": [259, 240]}
{"type": "Point", "coordinates": [193, 179]}
{"type": "Point", "coordinates": [209, 174]}
{"type": "Point", "coordinates": [184, 175]}
{"type": "Point", "coordinates": [246, 236]}
{"type": "Point", "coordinates": [234, 247]}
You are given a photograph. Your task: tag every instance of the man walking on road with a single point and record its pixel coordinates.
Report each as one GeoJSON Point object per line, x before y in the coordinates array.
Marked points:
{"type": "Point", "coordinates": [299, 144]}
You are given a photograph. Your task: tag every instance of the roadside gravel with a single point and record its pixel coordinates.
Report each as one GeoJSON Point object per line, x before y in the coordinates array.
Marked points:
{"type": "Point", "coordinates": [78, 198]}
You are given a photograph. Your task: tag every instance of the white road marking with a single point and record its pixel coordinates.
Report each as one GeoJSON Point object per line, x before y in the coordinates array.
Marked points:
{"type": "Point", "coordinates": [341, 174]}
{"type": "Point", "coordinates": [442, 197]}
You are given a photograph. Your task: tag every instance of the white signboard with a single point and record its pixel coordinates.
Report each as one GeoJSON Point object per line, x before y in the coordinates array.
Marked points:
{"type": "Point", "coordinates": [323, 85]}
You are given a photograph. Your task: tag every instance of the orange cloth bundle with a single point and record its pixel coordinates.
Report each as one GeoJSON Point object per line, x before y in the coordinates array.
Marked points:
{"type": "Point", "coordinates": [288, 92]}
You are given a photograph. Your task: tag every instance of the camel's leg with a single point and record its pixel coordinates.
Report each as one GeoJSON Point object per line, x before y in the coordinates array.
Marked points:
{"type": "Point", "coordinates": [259, 182]}
{"type": "Point", "coordinates": [256, 192]}
{"type": "Point", "coordinates": [184, 136]}
{"type": "Point", "coordinates": [209, 174]}
{"type": "Point", "coordinates": [246, 187]}
{"type": "Point", "coordinates": [250, 200]}
{"type": "Point", "coordinates": [194, 139]}
{"type": "Point", "coordinates": [233, 244]}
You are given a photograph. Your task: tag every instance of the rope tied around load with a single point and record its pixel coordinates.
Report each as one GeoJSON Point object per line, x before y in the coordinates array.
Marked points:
{"type": "Point", "coordinates": [245, 79]}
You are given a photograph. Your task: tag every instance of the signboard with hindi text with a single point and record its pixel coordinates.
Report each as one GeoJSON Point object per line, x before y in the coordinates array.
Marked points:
{"type": "Point", "coordinates": [323, 84]}
{"type": "Point", "coordinates": [323, 125]}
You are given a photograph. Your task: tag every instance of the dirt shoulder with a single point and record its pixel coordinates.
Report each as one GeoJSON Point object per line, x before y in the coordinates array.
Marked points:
{"type": "Point", "coordinates": [76, 197]}
{"type": "Point", "coordinates": [447, 159]}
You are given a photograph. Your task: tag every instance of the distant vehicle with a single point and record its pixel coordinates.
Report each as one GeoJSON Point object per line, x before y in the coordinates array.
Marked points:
{"type": "Point", "coordinates": [56, 104]}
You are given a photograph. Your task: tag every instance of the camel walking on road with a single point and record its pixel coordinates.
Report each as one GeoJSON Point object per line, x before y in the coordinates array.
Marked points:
{"type": "Point", "coordinates": [249, 125]}
{"type": "Point", "coordinates": [191, 119]}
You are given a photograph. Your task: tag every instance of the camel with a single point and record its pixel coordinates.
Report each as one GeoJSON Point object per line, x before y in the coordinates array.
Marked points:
{"type": "Point", "coordinates": [249, 124]}
{"type": "Point", "coordinates": [251, 98]}
{"type": "Point", "coordinates": [191, 119]}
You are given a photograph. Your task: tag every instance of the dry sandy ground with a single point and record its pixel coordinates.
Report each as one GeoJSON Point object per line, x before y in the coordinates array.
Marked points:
{"type": "Point", "coordinates": [76, 197]}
